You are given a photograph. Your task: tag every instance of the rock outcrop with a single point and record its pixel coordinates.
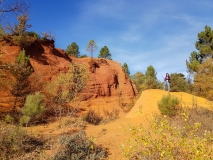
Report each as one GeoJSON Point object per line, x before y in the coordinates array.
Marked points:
{"type": "Point", "coordinates": [108, 82]}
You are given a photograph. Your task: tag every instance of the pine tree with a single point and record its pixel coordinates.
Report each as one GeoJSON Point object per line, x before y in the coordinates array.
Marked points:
{"type": "Point", "coordinates": [33, 108]}
{"type": "Point", "coordinates": [21, 70]}
{"type": "Point", "coordinates": [105, 53]}
{"type": "Point", "coordinates": [151, 78]}
{"type": "Point", "coordinates": [204, 45]}
{"type": "Point", "coordinates": [138, 79]}
{"type": "Point", "coordinates": [73, 50]}
{"type": "Point", "coordinates": [200, 64]}
{"type": "Point", "coordinates": [126, 69]}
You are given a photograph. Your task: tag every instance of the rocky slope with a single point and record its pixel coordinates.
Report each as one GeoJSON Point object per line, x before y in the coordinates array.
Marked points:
{"type": "Point", "coordinates": [108, 82]}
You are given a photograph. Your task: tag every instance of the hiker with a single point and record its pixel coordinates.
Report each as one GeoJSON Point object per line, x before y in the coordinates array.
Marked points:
{"type": "Point", "coordinates": [167, 81]}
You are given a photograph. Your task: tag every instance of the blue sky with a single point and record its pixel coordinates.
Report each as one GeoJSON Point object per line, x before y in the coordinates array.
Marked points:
{"type": "Point", "coordinates": [161, 33]}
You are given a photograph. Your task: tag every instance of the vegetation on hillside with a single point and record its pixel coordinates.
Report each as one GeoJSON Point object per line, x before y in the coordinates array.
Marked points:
{"type": "Point", "coordinates": [18, 34]}
{"type": "Point", "coordinates": [179, 137]}
{"type": "Point", "coordinates": [179, 134]}
{"type": "Point", "coordinates": [126, 69]}
{"type": "Point", "coordinates": [146, 81]}
{"type": "Point", "coordinates": [200, 64]}
{"type": "Point", "coordinates": [65, 89]}
{"type": "Point", "coordinates": [179, 83]}
{"type": "Point", "coordinates": [169, 105]}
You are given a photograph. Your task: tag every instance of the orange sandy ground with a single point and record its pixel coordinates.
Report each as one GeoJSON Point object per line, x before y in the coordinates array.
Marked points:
{"type": "Point", "coordinates": [112, 136]}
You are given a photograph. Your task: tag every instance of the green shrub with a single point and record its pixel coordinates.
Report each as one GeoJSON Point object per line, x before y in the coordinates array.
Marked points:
{"type": "Point", "coordinates": [3, 34]}
{"type": "Point", "coordinates": [33, 108]}
{"type": "Point", "coordinates": [169, 105]}
{"type": "Point", "coordinates": [77, 147]}
{"type": "Point", "coordinates": [65, 89]}
{"type": "Point", "coordinates": [34, 35]}
{"type": "Point", "coordinates": [164, 141]}
{"type": "Point", "coordinates": [16, 143]}
{"type": "Point", "coordinates": [92, 117]}
{"type": "Point", "coordinates": [9, 119]}
{"type": "Point", "coordinates": [23, 40]}
{"type": "Point", "coordinates": [83, 56]}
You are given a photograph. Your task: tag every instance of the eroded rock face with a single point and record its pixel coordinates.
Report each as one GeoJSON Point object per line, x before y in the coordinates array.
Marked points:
{"type": "Point", "coordinates": [107, 78]}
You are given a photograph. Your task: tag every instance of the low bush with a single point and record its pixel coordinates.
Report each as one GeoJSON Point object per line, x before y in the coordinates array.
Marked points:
{"type": "Point", "coordinates": [77, 147]}
{"type": "Point", "coordinates": [16, 143]}
{"type": "Point", "coordinates": [164, 140]}
{"type": "Point", "coordinates": [169, 105]}
{"type": "Point", "coordinates": [92, 117]}
{"type": "Point", "coordinates": [110, 116]}
{"type": "Point", "coordinates": [95, 118]}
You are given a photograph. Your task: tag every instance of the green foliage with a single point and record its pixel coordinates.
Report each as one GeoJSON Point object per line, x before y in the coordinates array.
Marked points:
{"type": "Point", "coordinates": [93, 117]}
{"type": "Point", "coordinates": [21, 70]}
{"type": "Point", "coordinates": [151, 79]}
{"type": "Point", "coordinates": [203, 82]}
{"type": "Point", "coordinates": [165, 140]}
{"type": "Point", "coordinates": [83, 56]}
{"type": "Point", "coordinates": [91, 47]}
{"type": "Point", "coordinates": [179, 83]}
{"type": "Point", "coordinates": [22, 59]}
{"type": "Point", "coordinates": [200, 64]}
{"type": "Point", "coordinates": [169, 105]}
{"type": "Point", "coordinates": [16, 143]}
{"type": "Point", "coordinates": [33, 108]}
{"type": "Point", "coordinates": [65, 89]}
{"type": "Point", "coordinates": [204, 46]}
{"type": "Point", "coordinates": [105, 53]}
{"type": "Point", "coordinates": [139, 80]}
{"type": "Point", "coordinates": [18, 33]}
{"type": "Point", "coordinates": [73, 50]}
{"type": "Point", "coordinates": [147, 80]}
{"type": "Point", "coordinates": [33, 34]}
{"type": "Point", "coordinates": [126, 69]}
{"type": "Point", "coordinates": [150, 72]}
{"type": "Point", "coordinates": [9, 119]}
{"type": "Point", "coordinates": [18, 72]}
{"type": "Point", "coordinates": [2, 32]}
{"type": "Point", "coordinates": [193, 63]}
{"type": "Point", "coordinates": [77, 146]}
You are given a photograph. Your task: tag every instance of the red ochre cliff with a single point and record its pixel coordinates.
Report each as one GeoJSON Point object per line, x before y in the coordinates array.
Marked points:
{"type": "Point", "coordinates": [109, 85]}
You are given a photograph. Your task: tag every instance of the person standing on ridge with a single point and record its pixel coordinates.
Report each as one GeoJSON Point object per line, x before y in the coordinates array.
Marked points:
{"type": "Point", "coordinates": [167, 81]}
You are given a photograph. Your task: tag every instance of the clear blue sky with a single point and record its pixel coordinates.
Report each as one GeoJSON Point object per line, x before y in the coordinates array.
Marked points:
{"type": "Point", "coordinates": [161, 33]}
